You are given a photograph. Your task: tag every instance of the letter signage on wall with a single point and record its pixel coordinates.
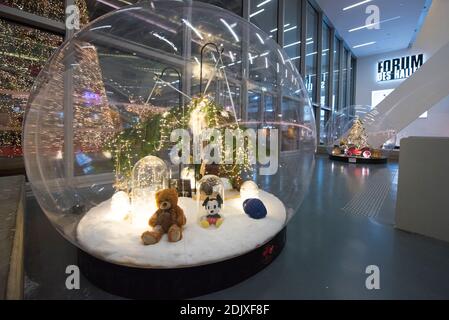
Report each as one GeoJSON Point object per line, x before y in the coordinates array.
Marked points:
{"type": "Point", "coordinates": [399, 68]}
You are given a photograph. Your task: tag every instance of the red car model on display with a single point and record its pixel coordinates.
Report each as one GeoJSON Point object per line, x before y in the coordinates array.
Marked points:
{"type": "Point", "coordinates": [355, 152]}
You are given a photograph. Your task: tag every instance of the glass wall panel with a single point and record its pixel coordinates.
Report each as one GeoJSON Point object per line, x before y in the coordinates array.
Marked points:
{"type": "Point", "coordinates": [311, 52]}
{"type": "Point", "coordinates": [261, 102]}
{"type": "Point", "coordinates": [352, 85]}
{"type": "Point", "coordinates": [336, 76]}
{"type": "Point", "coordinates": [325, 60]}
{"type": "Point", "coordinates": [270, 108]}
{"type": "Point", "coordinates": [235, 6]}
{"type": "Point", "coordinates": [290, 135]}
{"type": "Point", "coordinates": [236, 99]}
{"type": "Point", "coordinates": [265, 15]}
{"type": "Point", "coordinates": [254, 105]}
{"type": "Point", "coordinates": [345, 78]}
{"type": "Point", "coordinates": [292, 31]}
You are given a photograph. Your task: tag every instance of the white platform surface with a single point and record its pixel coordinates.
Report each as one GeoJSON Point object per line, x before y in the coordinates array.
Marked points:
{"type": "Point", "coordinates": [119, 241]}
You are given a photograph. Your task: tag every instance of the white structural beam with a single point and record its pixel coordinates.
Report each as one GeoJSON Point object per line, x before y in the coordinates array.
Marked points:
{"type": "Point", "coordinates": [424, 89]}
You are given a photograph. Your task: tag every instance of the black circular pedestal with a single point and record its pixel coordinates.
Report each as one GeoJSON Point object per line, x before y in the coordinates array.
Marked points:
{"type": "Point", "coordinates": [179, 283]}
{"type": "Point", "coordinates": [358, 160]}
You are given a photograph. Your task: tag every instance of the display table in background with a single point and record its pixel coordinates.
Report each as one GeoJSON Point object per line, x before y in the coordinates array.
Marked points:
{"type": "Point", "coordinates": [423, 187]}
{"type": "Point", "coordinates": [360, 160]}
{"type": "Point", "coordinates": [12, 202]}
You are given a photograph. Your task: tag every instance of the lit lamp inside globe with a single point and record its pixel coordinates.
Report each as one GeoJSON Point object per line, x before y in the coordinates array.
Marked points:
{"type": "Point", "coordinates": [248, 190]}
{"type": "Point", "coordinates": [123, 138]}
{"type": "Point", "coordinates": [120, 206]}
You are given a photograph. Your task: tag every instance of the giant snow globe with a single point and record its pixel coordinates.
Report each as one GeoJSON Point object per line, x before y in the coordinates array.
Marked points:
{"type": "Point", "coordinates": [171, 143]}
{"type": "Point", "coordinates": [350, 137]}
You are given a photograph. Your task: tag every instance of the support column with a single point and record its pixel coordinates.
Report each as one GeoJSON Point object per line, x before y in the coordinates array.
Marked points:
{"type": "Point", "coordinates": [302, 68]}
{"type": "Point", "coordinates": [318, 76]}
{"type": "Point", "coordinates": [331, 70]}
{"type": "Point", "coordinates": [245, 65]}
{"type": "Point", "coordinates": [68, 155]}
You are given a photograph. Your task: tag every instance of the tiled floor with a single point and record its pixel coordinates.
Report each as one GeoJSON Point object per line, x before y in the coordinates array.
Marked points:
{"type": "Point", "coordinates": [344, 225]}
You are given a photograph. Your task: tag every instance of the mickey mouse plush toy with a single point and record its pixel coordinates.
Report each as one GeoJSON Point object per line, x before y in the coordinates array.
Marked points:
{"type": "Point", "coordinates": [212, 204]}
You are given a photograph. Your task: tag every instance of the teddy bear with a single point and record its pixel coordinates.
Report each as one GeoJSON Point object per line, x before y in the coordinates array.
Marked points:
{"type": "Point", "coordinates": [169, 218]}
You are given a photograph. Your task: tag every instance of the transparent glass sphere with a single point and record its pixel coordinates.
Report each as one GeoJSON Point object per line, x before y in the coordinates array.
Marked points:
{"type": "Point", "coordinates": [350, 133]}
{"type": "Point", "coordinates": [156, 96]}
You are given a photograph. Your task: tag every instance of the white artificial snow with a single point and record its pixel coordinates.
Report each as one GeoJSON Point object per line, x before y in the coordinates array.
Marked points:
{"type": "Point", "coordinates": [119, 241]}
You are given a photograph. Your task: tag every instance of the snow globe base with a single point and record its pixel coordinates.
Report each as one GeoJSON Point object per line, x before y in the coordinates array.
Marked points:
{"type": "Point", "coordinates": [360, 160]}
{"type": "Point", "coordinates": [178, 283]}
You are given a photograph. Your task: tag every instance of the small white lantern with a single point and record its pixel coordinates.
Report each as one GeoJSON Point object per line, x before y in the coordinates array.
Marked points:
{"type": "Point", "coordinates": [120, 206]}
{"type": "Point", "coordinates": [248, 190]}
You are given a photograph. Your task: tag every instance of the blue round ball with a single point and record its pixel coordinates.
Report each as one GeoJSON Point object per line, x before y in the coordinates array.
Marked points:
{"type": "Point", "coordinates": [255, 208]}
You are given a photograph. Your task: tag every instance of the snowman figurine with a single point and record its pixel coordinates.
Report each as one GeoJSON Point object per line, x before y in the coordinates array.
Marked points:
{"type": "Point", "coordinates": [212, 205]}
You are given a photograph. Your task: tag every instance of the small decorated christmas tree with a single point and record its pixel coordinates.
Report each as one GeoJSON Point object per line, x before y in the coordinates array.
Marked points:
{"type": "Point", "coordinates": [357, 136]}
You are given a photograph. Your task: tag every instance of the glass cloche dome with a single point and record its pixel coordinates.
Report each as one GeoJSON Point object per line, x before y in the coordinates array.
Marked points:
{"type": "Point", "coordinates": [132, 112]}
{"type": "Point", "coordinates": [348, 135]}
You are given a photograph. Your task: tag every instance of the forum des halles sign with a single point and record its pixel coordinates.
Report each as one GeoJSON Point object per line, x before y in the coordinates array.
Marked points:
{"type": "Point", "coordinates": [399, 68]}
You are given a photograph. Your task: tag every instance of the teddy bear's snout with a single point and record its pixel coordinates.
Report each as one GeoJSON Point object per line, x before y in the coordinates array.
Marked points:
{"type": "Point", "coordinates": [165, 205]}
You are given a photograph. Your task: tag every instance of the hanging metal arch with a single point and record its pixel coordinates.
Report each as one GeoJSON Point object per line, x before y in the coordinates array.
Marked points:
{"type": "Point", "coordinates": [201, 61]}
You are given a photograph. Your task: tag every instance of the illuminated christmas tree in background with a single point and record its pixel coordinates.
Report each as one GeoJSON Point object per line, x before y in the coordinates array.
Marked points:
{"type": "Point", "coordinates": [95, 122]}
{"type": "Point", "coordinates": [357, 136]}
{"type": "Point", "coordinates": [24, 52]}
